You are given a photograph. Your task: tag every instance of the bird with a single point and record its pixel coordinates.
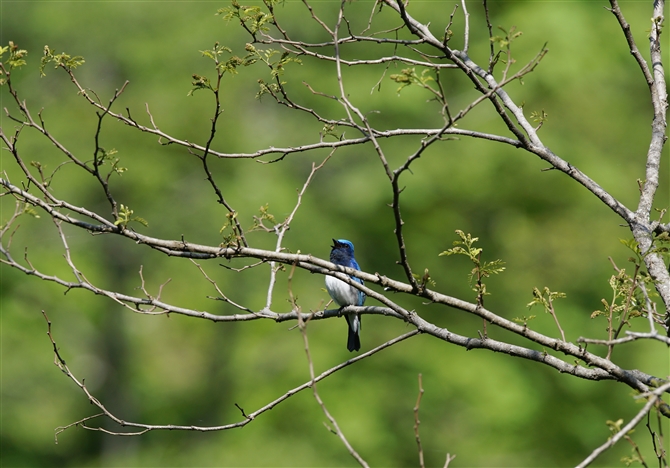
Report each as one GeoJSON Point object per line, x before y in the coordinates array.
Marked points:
{"type": "Point", "coordinates": [344, 294]}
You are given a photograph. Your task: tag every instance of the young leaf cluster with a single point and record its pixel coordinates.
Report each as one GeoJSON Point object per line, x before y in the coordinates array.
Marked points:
{"type": "Point", "coordinates": [252, 18]}
{"type": "Point", "coordinates": [408, 76]}
{"type": "Point", "coordinates": [424, 280]}
{"type": "Point", "coordinates": [266, 56]}
{"type": "Point", "coordinates": [627, 299]}
{"type": "Point", "coordinates": [234, 238]}
{"type": "Point", "coordinates": [661, 245]}
{"type": "Point", "coordinates": [222, 67]}
{"type": "Point", "coordinates": [545, 298]}
{"type": "Point", "coordinates": [481, 269]}
{"type": "Point", "coordinates": [59, 60]}
{"type": "Point", "coordinates": [277, 68]}
{"type": "Point", "coordinates": [263, 215]}
{"type": "Point", "coordinates": [103, 156]}
{"type": "Point", "coordinates": [16, 59]}
{"type": "Point", "coordinates": [539, 117]}
{"type": "Point", "coordinates": [126, 216]}
{"type": "Point", "coordinates": [505, 41]}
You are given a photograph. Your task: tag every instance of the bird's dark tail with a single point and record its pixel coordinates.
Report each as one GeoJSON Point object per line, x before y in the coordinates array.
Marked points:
{"type": "Point", "coordinates": [354, 336]}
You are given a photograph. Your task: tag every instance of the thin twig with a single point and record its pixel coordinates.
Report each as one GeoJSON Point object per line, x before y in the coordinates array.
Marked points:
{"type": "Point", "coordinates": [336, 427]}
{"type": "Point", "coordinates": [417, 422]}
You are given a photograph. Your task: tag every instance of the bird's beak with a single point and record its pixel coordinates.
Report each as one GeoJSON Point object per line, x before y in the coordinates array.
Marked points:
{"type": "Point", "coordinates": [334, 243]}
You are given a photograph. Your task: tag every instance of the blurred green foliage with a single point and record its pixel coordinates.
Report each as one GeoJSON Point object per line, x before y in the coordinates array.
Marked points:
{"type": "Point", "coordinates": [489, 410]}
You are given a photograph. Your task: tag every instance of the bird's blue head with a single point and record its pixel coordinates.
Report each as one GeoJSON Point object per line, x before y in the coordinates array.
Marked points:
{"type": "Point", "coordinates": [342, 253]}
{"type": "Point", "coordinates": [344, 245]}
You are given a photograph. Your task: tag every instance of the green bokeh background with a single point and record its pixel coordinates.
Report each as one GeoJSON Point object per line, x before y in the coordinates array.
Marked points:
{"type": "Point", "coordinates": [488, 409]}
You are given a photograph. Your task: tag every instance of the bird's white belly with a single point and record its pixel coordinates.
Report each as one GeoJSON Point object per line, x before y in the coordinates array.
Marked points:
{"type": "Point", "coordinates": [342, 293]}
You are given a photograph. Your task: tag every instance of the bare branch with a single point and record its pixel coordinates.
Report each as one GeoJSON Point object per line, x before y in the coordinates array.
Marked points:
{"type": "Point", "coordinates": [139, 428]}
{"type": "Point", "coordinates": [653, 399]}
